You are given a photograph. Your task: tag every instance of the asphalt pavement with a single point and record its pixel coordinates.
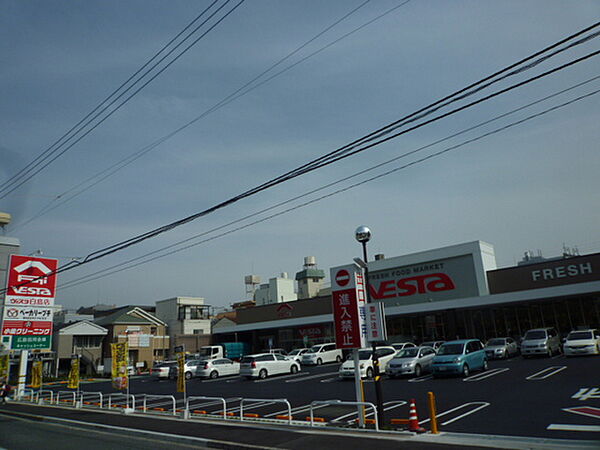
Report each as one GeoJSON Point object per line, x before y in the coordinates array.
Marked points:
{"type": "Point", "coordinates": [548, 398]}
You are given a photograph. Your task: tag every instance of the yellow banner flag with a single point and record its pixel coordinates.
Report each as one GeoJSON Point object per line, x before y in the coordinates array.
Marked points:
{"type": "Point", "coordinates": [120, 361]}
{"type": "Point", "coordinates": [181, 372]}
{"type": "Point", "coordinates": [36, 375]}
{"type": "Point", "coordinates": [74, 374]}
{"type": "Point", "coordinates": [4, 366]}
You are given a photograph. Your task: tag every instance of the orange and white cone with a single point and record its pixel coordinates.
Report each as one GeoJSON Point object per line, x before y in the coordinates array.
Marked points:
{"type": "Point", "coordinates": [413, 419]}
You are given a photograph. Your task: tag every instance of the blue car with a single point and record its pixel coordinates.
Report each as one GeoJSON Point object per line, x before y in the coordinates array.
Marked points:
{"type": "Point", "coordinates": [459, 358]}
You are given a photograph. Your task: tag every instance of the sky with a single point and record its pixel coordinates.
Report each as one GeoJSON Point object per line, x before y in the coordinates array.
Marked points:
{"type": "Point", "coordinates": [533, 186]}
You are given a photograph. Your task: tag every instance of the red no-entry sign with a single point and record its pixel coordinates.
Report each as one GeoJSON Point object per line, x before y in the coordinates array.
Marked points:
{"type": "Point", "coordinates": [342, 278]}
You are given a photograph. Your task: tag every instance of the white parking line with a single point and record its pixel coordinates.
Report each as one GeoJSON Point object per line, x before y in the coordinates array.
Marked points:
{"type": "Point", "coordinates": [546, 373]}
{"type": "Point", "coordinates": [481, 406]}
{"type": "Point", "coordinates": [419, 379]}
{"type": "Point", "coordinates": [484, 375]}
{"type": "Point", "coordinates": [569, 427]}
{"type": "Point", "coordinates": [329, 380]}
{"type": "Point", "coordinates": [279, 377]}
{"type": "Point", "coordinates": [391, 405]}
{"type": "Point", "coordinates": [230, 377]}
{"type": "Point", "coordinates": [326, 374]}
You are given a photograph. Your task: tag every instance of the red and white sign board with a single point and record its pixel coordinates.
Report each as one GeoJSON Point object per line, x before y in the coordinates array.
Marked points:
{"type": "Point", "coordinates": [29, 300]}
{"type": "Point", "coordinates": [376, 329]}
{"type": "Point", "coordinates": [348, 296]}
{"type": "Point", "coordinates": [26, 328]}
{"type": "Point", "coordinates": [38, 273]}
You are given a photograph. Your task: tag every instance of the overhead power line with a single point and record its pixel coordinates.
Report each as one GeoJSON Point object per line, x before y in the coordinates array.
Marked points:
{"type": "Point", "coordinates": [58, 149]}
{"type": "Point", "coordinates": [142, 237]}
{"type": "Point", "coordinates": [248, 87]}
{"type": "Point", "coordinates": [147, 258]}
{"type": "Point", "coordinates": [139, 238]}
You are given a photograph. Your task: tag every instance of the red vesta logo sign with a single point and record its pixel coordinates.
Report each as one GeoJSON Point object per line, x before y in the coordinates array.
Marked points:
{"type": "Point", "coordinates": [421, 284]}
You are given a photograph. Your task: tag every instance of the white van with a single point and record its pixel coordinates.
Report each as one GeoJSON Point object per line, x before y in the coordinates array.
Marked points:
{"type": "Point", "coordinates": [321, 354]}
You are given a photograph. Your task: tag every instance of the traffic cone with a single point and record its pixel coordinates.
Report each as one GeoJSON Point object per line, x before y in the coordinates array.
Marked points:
{"type": "Point", "coordinates": [413, 419]}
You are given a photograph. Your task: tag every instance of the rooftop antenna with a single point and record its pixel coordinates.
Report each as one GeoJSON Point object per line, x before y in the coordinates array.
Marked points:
{"type": "Point", "coordinates": [5, 219]}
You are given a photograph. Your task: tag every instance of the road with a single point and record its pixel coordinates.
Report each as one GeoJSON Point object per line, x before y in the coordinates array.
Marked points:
{"type": "Point", "coordinates": [544, 397]}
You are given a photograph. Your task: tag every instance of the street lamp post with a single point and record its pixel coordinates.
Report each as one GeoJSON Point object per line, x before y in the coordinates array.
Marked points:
{"type": "Point", "coordinates": [363, 235]}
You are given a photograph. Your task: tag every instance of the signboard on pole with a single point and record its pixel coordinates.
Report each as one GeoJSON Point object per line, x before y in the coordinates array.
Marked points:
{"type": "Point", "coordinates": [29, 302]}
{"type": "Point", "coordinates": [4, 366]}
{"type": "Point", "coordinates": [181, 372]}
{"type": "Point", "coordinates": [74, 374]}
{"type": "Point", "coordinates": [120, 361]}
{"type": "Point", "coordinates": [376, 328]}
{"type": "Point", "coordinates": [348, 296]}
{"type": "Point", "coordinates": [36, 374]}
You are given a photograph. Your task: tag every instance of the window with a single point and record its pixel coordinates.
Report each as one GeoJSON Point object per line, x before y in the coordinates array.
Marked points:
{"type": "Point", "coordinates": [280, 357]}
{"type": "Point", "coordinates": [153, 331]}
{"type": "Point", "coordinates": [198, 331]}
{"type": "Point", "coordinates": [87, 341]}
{"type": "Point", "coordinates": [385, 352]}
{"type": "Point", "coordinates": [189, 312]}
{"type": "Point", "coordinates": [266, 358]}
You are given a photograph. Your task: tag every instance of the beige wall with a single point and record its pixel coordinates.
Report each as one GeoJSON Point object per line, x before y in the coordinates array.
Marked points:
{"type": "Point", "coordinates": [159, 342]}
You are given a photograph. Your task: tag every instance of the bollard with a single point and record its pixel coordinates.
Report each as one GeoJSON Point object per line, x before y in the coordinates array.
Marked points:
{"type": "Point", "coordinates": [432, 412]}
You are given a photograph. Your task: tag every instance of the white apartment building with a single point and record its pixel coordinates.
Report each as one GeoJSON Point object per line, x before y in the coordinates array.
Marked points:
{"type": "Point", "coordinates": [185, 317]}
{"type": "Point", "coordinates": [278, 290]}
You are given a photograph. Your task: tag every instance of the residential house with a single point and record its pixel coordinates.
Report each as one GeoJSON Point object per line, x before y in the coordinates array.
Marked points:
{"type": "Point", "coordinates": [83, 338]}
{"type": "Point", "coordinates": [145, 333]}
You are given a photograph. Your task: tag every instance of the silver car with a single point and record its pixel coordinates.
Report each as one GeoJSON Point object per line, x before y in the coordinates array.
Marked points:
{"type": "Point", "coordinates": [411, 361]}
{"type": "Point", "coordinates": [540, 341]}
{"type": "Point", "coordinates": [497, 348]}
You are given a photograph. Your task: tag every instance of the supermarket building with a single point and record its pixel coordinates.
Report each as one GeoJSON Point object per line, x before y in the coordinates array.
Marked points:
{"type": "Point", "coordinates": [446, 293]}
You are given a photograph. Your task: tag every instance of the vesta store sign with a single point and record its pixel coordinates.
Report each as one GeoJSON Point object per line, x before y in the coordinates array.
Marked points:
{"type": "Point", "coordinates": [428, 281]}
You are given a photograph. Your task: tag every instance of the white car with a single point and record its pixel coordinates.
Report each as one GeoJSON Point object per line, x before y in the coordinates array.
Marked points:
{"type": "Point", "coordinates": [582, 342]}
{"type": "Point", "coordinates": [402, 345]}
{"type": "Point", "coordinates": [365, 356]}
{"type": "Point", "coordinates": [321, 354]}
{"type": "Point", "coordinates": [164, 369]}
{"type": "Point", "coordinates": [297, 353]}
{"type": "Point", "coordinates": [262, 365]}
{"type": "Point", "coordinates": [215, 368]}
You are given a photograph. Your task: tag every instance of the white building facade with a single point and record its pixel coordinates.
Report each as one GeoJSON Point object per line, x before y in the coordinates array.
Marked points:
{"type": "Point", "coordinates": [278, 290]}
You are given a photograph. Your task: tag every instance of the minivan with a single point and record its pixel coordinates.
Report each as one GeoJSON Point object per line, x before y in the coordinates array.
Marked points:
{"type": "Point", "coordinates": [540, 341]}
{"type": "Point", "coordinates": [321, 354]}
{"type": "Point", "coordinates": [459, 357]}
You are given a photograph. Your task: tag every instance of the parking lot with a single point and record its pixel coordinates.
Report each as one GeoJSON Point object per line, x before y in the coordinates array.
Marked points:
{"type": "Point", "coordinates": [554, 397]}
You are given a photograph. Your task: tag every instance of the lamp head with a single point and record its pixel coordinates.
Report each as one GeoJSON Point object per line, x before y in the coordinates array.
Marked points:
{"type": "Point", "coordinates": [362, 234]}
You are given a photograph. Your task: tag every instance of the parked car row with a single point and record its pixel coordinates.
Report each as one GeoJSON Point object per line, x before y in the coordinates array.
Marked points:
{"type": "Point", "coordinates": [459, 357]}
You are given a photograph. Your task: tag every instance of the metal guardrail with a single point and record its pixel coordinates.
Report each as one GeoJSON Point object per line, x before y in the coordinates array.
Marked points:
{"type": "Point", "coordinates": [70, 393]}
{"type": "Point", "coordinates": [127, 397]}
{"type": "Point", "coordinates": [130, 400]}
{"type": "Point", "coordinates": [82, 396]}
{"type": "Point", "coordinates": [40, 395]}
{"type": "Point", "coordinates": [146, 397]}
{"type": "Point", "coordinates": [338, 403]}
{"type": "Point", "coordinates": [215, 400]}
{"type": "Point", "coordinates": [274, 400]}
{"type": "Point", "coordinates": [23, 394]}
